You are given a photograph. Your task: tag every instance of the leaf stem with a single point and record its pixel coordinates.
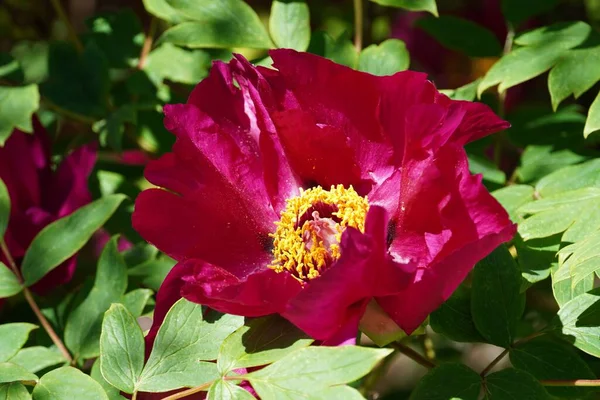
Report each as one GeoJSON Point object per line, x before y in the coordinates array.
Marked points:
{"type": "Point", "coordinates": [516, 343]}
{"type": "Point", "coordinates": [147, 43]}
{"type": "Point", "coordinates": [46, 325]}
{"type": "Point", "coordinates": [194, 390]}
{"type": "Point", "coordinates": [358, 25]}
{"type": "Point", "coordinates": [495, 361]}
{"type": "Point", "coordinates": [36, 309]}
{"type": "Point", "coordinates": [11, 261]}
{"type": "Point", "coordinates": [58, 8]}
{"type": "Point", "coordinates": [499, 138]}
{"type": "Point", "coordinates": [576, 382]}
{"type": "Point", "coordinates": [410, 353]}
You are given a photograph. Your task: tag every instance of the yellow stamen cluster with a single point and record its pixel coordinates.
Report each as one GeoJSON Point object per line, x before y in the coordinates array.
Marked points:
{"type": "Point", "coordinates": [301, 250]}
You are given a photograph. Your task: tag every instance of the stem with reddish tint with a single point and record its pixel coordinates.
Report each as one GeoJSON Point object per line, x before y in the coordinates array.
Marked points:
{"type": "Point", "coordinates": [147, 43]}
{"type": "Point", "coordinates": [413, 355]}
{"type": "Point", "coordinates": [516, 343]}
{"type": "Point", "coordinates": [36, 309]}
{"type": "Point", "coordinates": [358, 25]}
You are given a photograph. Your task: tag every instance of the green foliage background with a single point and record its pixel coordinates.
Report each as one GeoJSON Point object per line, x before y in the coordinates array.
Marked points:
{"type": "Point", "coordinates": [104, 73]}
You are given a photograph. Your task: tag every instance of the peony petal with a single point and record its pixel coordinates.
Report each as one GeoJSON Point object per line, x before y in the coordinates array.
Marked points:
{"type": "Point", "coordinates": [68, 189]}
{"type": "Point", "coordinates": [435, 283]}
{"type": "Point", "coordinates": [343, 291]}
{"type": "Point", "coordinates": [479, 121]}
{"type": "Point", "coordinates": [209, 225]}
{"type": "Point", "coordinates": [450, 222]}
{"type": "Point", "coordinates": [261, 293]}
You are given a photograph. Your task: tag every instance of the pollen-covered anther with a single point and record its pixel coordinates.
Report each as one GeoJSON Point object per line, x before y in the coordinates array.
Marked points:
{"type": "Point", "coordinates": [308, 235]}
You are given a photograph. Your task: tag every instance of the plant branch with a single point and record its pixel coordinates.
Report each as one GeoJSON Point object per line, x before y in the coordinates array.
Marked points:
{"type": "Point", "coordinates": [410, 353]}
{"type": "Point", "coordinates": [516, 343]}
{"type": "Point", "coordinates": [36, 309]}
{"type": "Point", "coordinates": [147, 43]}
{"type": "Point", "coordinates": [10, 260]}
{"type": "Point", "coordinates": [185, 393]}
{"type": "Point", "coordinates": [58, 8]}
{"type": "Point", "coordinates": [499, 138]}
{"type": "Point", "coordinates": [46, 325]}
{"type": "Point", "coordinates": [576, 382]}
{"type": "Point", "coordinates": [495, 361]}
{"type": "Point", "coordinates": [358, 25]}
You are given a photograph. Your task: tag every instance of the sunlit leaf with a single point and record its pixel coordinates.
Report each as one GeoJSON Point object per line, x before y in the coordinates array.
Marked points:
{"type": "Point", "coordinates": [17, 104]}
{"type": "Point", "coordinates": [64, 237]}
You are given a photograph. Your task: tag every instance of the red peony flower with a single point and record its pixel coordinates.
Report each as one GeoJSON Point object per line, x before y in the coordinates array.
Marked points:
{"type": "Point", "coordinates": [40, 195]}
{"type": "Point", "coordinates": [312, 189]}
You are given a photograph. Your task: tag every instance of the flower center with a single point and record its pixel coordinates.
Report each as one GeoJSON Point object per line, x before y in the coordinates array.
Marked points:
{"type": "Point", "coordinates": [308, 235]}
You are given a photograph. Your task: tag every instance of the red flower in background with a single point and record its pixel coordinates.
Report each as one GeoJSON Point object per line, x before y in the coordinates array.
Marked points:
{"type": "Point", "coordinates": [312, 189]}
{"type": "Point", "coordinates": [40, 195]}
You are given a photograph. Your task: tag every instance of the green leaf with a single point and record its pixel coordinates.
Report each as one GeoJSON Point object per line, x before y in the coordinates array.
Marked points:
{"type": "Point", "coordinates": [10, 69]}
{"type": "Point", "coordinates": [496, 301]}
{"type": "Point", "coordinates": [310, 370]}
{"type": "Point", "coordinates": [512, 197]}
{"type": "Point", "coordinates": [33, 59]}
{"type": "Point", "coordinates": [17, 104]}
{"type": "Point", "coordinates": [111, 128]}
{"type": "Point", "coordinates": [112, 392]}
{"type": "Point", "coordinates": [61, 239]}
{"type": "Point", "coordinates": [10, 372]}
{"type": "Point", "coordinates": [4, 208]}
{"type": "Point", "coordinates": [68, 383]}
{"type": "Point", "coordinates": [83, 327]}
{"type": "Point", "coordinates": [9, 284]}
{"type": "Point", "coordinates": [575, 73]}
{"type": "Point", "coordinates": [162, 10]}
{"type": "Point", "coordinates": [537, 257]}
{"type": "Point", "coordinates": [575, 212]}
{"type": "Point", "coordinates": [386, 58]}
{"type": "Point", "coordinates": [480, 164]}
{"type": "Point", "coordinates": [541, 49]}
{"type": "Point", "coordinates": [77, 82]}
{"type": "Point", "coordinates": [578, 322]}
{"type": "Point", "coordinates": [121, 349]}
{"type": "Point", "coordinates": [538, 161]}
{"type": "Point", "coordinates": [136, 300]}
{"type": "Point", "coordinates": [37, 358]}
{"type": "Point", "coordinates": [260, 342]}
{"type": "Point", "coordinates": [546, 359]}
{"type": "Point", "coordinates": [224, 390]}
{"type": "Point", "coordinates": [448, 381]}
{"type": "Point", "coordinates": [570, 178]}
{"type": "Point", "coordinates": [579, 260]}
{"type": "Point", "coordinates": [12, 337]}
{"type": "Point", "coordinates": [340, 50]}
{"type": "Point", "coordinates": [565, 291]}
{"type": "Point", "coordinates": [289, 24]}
{"type": "Point", "coordinates": [510, 384]}
{"type": "Point", "coordinates": [191, 67]}
{"type": "Point", "coordinates": [592, 124]}
{"type": "Point", "coordinates": [153, 272]}
{"type": "Point", "coordinates": [412, 5]}
{"type": "Point", "coordinates": [118, 35]}
{"type": "Point", "coordinates": [337, 393]}
{"type": "Point", "coordinates": [518, 11]}
{"type": "Point", "coordinates": [14, 391]}
{"type": "Point", "coordinates": [223, 24]}
{"type": "Point", "coordinates": [183, 342]}
{"type": "Point", "coordinates": [467, 92]}
{"type": "Point", "coordinates": [462, 35]}
{"type": "Point", "coordinates": [453, 318]}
